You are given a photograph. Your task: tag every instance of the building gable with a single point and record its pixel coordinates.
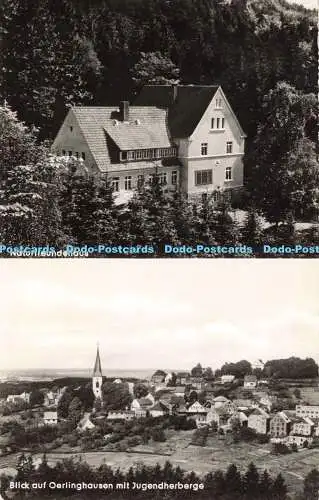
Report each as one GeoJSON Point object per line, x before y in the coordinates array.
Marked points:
{"type": "Point", "coordinates": [219, 118]}
{"type": "Point", "coordinates": [186, 104]}
{"type": "Point", "coordinates": [72, 139]}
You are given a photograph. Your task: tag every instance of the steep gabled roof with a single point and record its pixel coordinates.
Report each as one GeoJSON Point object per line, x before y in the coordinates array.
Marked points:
{"type": "Point", "coordinates": [260, 411]}
{"type": "Point", "coordinates": [97, 371]}
{"type": "Point", "coordinates": [186, 108]}
{"type": "Point", "coordinates": [159, 406]}
{"type": "Point", "coordinates": [146, 128]}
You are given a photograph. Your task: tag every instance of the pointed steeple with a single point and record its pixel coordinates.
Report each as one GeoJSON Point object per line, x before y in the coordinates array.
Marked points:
{"type": "Point", "coordinates": [97, 372]}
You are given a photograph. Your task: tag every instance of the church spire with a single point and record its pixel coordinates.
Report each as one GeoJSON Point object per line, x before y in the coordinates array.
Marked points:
{"type": "Point", "coordinates": [97, 372]}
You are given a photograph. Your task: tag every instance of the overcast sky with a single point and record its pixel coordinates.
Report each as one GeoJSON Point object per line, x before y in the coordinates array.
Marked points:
{"type": "Point", "coordinates": [156, 313]}
{"type": "Point", "coordinates": [311, 4]}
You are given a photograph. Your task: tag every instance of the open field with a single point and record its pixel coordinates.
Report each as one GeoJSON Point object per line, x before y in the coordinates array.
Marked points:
{"type": "Point", "coordinates": [202, 460]}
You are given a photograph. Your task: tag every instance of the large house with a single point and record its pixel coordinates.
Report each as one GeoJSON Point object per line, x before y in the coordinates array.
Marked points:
{"type": "Point", "coordinates": [307, 411]}
{"type": "Point", "coordinates": [280, 425]}
{"type": "Point", "coordinates": [259, 420]}
{"type": "Point", "coordinates": [187, 135]}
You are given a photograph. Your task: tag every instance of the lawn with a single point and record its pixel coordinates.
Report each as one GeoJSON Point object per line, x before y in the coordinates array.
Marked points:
{"type": "Point", "coordinates": [217, 455]}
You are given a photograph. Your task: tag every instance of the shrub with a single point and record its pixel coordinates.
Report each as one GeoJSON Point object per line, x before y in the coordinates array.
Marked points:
{"type": "Point", "coordinates": [280, 449]}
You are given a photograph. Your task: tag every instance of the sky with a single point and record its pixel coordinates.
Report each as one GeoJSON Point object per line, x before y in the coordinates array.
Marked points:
{"type": "Point", "coordinates": [156, 313]}
{"type": "Point", "coordinates": [310, 4]}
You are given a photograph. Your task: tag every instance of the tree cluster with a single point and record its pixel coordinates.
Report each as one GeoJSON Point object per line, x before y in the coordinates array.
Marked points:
{"type": "Point", "coordinates": [291, 368]}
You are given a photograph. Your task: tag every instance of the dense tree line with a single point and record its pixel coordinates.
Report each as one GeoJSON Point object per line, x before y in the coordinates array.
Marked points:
{"type": "Point", "coordinates": [239, 369]}
{"type": "Point", "coordinates": [293, 367]}
{"type": "Point", "coordinates": [228, 485]}
{"type": "Point", "coordinates": [56, 54]}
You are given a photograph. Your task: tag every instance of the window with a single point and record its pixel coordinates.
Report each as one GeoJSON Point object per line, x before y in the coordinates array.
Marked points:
{"type": "Point", "coordinates": [140, 180]}
{"type": "Point", "coordinates": [70, 153]}
{"type": "Point", "coordinates": [71, 128]}
{"type": "Point", "coordinates": [218, 122]}
{"type": "Point", "coordinates": [204, 147]}
{"type": "Point", "coordinates": [218, 103]}
{"type": "Point", "coordinates": [77, 154]}
{"type": "Point", "coordinates": [123, 155]}
{"type": "Point", "coordinates": [212, 123]}
{"type": "Point", "coordinates": [83, 156]}
{"type": "Point", "coordinates": [162, 178]}
{"type": "Point", "coordinates": [228, 174]}
{"type": "Point", "coordinates": [204, 197]}
{"type": "Point", "coordinates": [223, 122]}
{"type": "Point", "coordinates": [128, 183]}
{"type": "Point", "coordinates": [174, 177]}
{"type": "Point", "coordinates": [203, 177]}
{"type": "Point", "coordinates": [63, 152]}
{"type": "Point", "coordinates": [115, 183]}
{"type": "Point", "coordinates": [151, 178]}
{"type": "Point", "coordinates": [229, 147]}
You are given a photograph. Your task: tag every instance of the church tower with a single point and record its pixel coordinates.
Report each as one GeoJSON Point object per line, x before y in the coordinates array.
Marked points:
{"type": "Point", "coordinates": [97, 376]}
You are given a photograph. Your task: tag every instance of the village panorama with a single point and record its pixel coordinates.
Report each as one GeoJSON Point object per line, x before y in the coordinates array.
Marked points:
{"type": "Point", "coordinates": [247, 428]}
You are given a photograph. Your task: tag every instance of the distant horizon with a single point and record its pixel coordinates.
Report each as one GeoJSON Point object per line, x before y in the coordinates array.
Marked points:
{"type": "Point", "coordinates": [308, 4]}
{"type": "Point", "coordinates": [156, 314]}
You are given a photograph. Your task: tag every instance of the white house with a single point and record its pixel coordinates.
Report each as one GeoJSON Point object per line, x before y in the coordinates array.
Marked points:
{"type": "Point", "coordinates": [250, 382]}
{"type": "Point", "coordinates": [196, 408]}
{"type": "Point", "coordinates": [120, 415]}
{"type": "Point", "coordinates": [302, 427]}
{"type": "Point", "coordinates": [307, 411]}
{"type": "Point", "coordinates": [226, 379]}
{"type": "Point", "coordinates": [298, 440]}
{"type": "Point", "coordinates": [16, 398]}
{"type": "Point", "coordinates": [188, 135]}
{"type": "Point", "coordinates": [50, 418]}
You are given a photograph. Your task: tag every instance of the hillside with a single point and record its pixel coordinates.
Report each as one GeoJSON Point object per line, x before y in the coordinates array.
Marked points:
{"type": "Point", "coordinates": [55, 54]}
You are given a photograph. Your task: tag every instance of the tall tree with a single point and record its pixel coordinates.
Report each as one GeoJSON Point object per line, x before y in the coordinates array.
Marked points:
{"type": "Point", "coordinates": [283, 172]}
{"type": "Point", "coordinates": [311, 485]}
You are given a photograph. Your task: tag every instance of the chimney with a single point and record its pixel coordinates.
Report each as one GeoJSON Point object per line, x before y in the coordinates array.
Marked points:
{"type": "Point", "coordinates": [124, 111]}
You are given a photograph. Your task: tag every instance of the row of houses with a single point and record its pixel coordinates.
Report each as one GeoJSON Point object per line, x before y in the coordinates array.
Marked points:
{"type": "Point", "coordinates": [160, 379]}
{"type": "Point", "coordinates": [51, 397]}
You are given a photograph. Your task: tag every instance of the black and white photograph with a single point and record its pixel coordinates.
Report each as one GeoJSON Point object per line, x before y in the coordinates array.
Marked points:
{"type": "Point", "coordinates": [118, 382]}
{"type": "Point", "coordinates": [158, 128]}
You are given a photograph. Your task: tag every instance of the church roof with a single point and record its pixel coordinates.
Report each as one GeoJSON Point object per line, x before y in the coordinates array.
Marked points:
{"type": "Point", "coordinates": [97, 371]}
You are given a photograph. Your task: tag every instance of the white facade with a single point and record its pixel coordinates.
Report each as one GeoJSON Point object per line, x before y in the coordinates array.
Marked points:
{"type": "Point", "coordinates": [307, 411]}
{"type": "Point", "coordinates": [50, 418]}
{"type": "Point", "coordinates": [226, 379]}
{"type": "Point", "coordinates": [225, 150]}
